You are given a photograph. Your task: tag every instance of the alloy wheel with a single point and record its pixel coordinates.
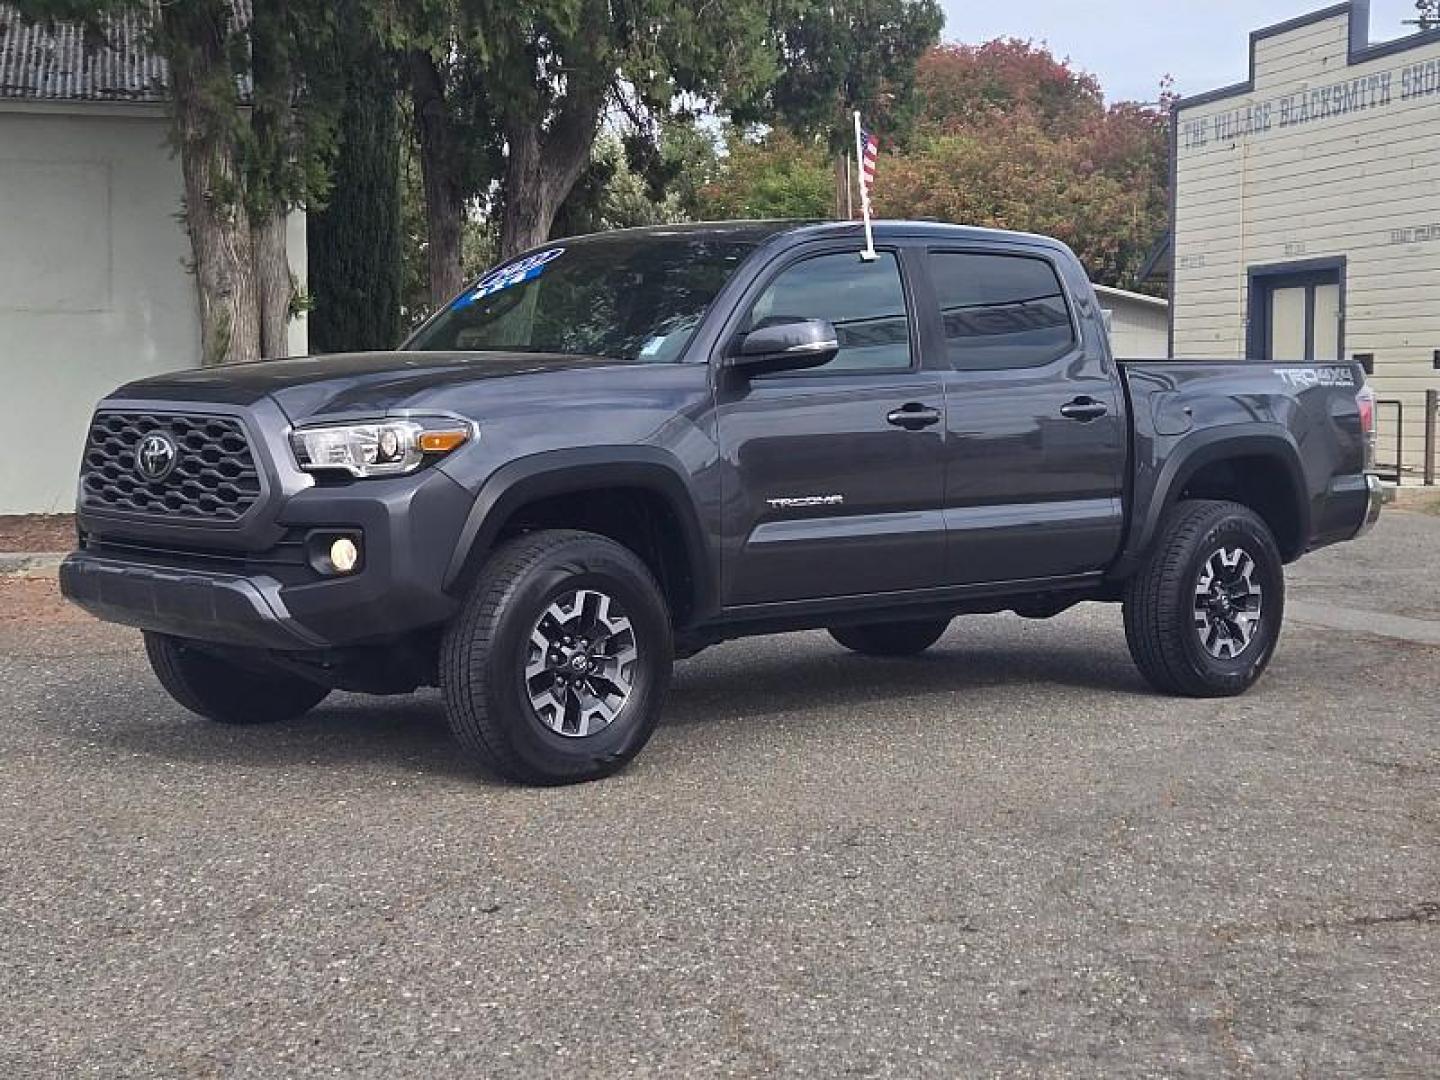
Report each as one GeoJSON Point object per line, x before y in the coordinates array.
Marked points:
{"type": "Point", "coordinates": [1228, 603]}
{"type": "Point", "coordinates": [581, 663]}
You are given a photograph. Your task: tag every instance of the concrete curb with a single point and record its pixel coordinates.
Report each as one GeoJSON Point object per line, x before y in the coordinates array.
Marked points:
{"type": "Point", "coordinates": [30, 563]}
{"type": "Point", "coordinates": [1415, 498]}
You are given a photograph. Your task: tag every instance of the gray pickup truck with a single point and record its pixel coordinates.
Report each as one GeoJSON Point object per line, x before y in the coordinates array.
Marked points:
{"type": "Point", "coordinates": [619, 449]}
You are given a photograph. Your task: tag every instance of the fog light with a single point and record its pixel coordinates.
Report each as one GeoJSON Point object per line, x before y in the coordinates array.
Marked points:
{"type": "Point", "coordinates": [344, 555]}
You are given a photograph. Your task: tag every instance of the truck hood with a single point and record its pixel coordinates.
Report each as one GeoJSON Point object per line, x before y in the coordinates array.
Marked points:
{"type": "Point", "coordinates": [342, 383]}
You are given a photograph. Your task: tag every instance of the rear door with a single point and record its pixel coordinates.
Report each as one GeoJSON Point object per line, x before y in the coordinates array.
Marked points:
{"type": "Point", "coordinates": [834, 476]}
{"type": "Point", "coordinates": [1036, 451]}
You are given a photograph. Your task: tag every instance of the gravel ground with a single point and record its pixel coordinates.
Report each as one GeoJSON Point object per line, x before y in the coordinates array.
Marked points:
{"type": "Point", "coordinates": [1007, 857]}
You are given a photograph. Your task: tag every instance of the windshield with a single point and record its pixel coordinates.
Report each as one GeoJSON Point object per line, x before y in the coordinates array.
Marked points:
{"type": "Point", "coordinates": [635, 298]}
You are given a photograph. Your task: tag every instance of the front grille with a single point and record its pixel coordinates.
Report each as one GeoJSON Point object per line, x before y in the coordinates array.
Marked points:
{"type": "Point", "coordinates": [214, 477]}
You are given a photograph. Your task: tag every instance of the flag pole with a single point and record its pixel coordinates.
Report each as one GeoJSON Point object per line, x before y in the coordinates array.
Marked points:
{"type": "Point", "coordinates": [869, 253]}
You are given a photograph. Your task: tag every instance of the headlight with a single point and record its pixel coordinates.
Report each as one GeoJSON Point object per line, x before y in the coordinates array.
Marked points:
{"type": "Point", "coordinates": [380, 448]}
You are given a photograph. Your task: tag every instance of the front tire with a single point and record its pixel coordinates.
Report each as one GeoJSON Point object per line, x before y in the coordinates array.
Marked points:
{"type": "Point", "coordinates": [891, 639]}
{"type": "Point", "coordinates": [218, 691]}
{"type": "Point", "coordinates": [1203, 613]}
{"type": "Point", "coordinates": [555, 669]}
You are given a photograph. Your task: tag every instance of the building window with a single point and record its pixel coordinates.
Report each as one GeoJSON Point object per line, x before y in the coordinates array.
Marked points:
{"type": "Point", "coordinates": [1297, 313]}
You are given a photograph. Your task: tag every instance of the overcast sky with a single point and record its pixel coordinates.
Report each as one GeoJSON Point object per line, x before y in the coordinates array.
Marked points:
{"type": "Point", "coordinates": [1130, 45]}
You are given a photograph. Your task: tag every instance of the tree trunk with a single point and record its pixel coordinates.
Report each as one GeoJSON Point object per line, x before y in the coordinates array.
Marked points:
{"type": "Point", "coordinates": [440, 173]}
{"type": "Point", "coordinates": [542, 167]}
{"type": "Point", "coordinates": [273, 122]}
{"type": "Point", "coordinates": [529, 212]}
{"type": "Point", "coordinates": [215, 216]}
{"type": "Point", "coordinates": [275, 285]}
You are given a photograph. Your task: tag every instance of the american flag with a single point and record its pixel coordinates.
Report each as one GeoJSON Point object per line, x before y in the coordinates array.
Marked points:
{"type": "Point", "coordinates": [869, 153]}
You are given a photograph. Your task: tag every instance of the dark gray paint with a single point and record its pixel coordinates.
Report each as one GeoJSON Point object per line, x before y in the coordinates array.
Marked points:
{"type": "Point", "coordinates": [1005, 502]}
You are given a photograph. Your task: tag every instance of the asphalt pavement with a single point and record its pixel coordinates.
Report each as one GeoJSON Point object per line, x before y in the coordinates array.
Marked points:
{"type": "Point", "coordinates": [1008, 857]}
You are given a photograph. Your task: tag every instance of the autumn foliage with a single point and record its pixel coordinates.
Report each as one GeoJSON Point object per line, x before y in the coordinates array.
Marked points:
{"type": "Point", "coordinates": [1010, 137]}
{"type": "Point", "coordinates": [1004, 135]}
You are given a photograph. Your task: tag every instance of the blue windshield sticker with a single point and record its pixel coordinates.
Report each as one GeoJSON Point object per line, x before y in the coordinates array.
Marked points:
{"type": "Point", "coordinates": [515, 273]}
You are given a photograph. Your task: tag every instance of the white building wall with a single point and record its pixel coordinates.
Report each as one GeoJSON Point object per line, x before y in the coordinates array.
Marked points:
{"type": "Point", "coordinates": [1139, 326]}
{"type": "Point", "coordinates": [1361, 180]}
{"type": "Point", "coordinates": [94, 286]}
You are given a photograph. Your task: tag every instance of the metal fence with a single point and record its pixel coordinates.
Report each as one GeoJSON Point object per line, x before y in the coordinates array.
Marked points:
{"type": "Point", "coordinates": [1394, 471]}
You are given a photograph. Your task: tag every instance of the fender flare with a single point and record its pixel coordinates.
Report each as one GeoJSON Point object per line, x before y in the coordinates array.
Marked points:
{"type": "Point", "coordinates": [561, 472]}
{"type": "Point", "coordinates": [1199, 449]}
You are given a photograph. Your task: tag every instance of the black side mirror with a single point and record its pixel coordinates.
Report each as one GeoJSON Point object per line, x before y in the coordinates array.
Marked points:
{"type": "Point", "coordinates": [785, 346]}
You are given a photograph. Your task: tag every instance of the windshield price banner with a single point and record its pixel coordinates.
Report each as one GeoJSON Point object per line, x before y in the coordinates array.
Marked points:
{"type": "Point", "coordinates": [515, 273]}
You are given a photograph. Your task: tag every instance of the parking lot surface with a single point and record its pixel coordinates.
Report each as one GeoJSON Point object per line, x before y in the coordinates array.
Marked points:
{"type": "Point", "coordinates": [1006, 857]}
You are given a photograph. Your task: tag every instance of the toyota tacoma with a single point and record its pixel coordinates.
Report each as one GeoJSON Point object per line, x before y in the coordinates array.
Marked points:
{"type": "Point", "coordinates": [617, 450]}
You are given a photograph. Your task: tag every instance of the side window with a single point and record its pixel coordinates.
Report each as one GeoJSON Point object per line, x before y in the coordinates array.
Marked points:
{"type": "Point", "coordinates": [1000, 311]}
{"type": "Point", "coordinates": [864, 300]}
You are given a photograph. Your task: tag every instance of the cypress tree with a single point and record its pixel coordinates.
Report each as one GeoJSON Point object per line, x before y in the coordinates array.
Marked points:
{"type": "Point", "coordinates": [354, 241]}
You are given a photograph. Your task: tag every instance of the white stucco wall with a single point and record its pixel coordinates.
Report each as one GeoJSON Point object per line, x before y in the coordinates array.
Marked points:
{"type": "Point", "coordinates": [94, 286]}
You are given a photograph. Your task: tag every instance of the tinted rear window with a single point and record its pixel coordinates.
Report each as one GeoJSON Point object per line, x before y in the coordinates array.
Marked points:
{"type": "Point", "coordinates": [1000, 311]}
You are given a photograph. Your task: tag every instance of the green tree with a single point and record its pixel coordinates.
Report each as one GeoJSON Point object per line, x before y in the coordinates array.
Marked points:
{"type": "Point", "coordinates": [540, 74]}
{"type": "Point", "coordinates": [640, 178]}
{"type": "Point", "coordinates": [779, 176]}
{"type": "Point", "coordinates": [842, 56]}
{"type": "Point", "coordinates": [354, 241]}
{"type": "Point", "coordinates": [536, 77]}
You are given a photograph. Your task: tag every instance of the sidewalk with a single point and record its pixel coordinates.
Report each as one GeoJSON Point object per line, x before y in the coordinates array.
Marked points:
{"type": "Point", "coordinates": [1424, 500]}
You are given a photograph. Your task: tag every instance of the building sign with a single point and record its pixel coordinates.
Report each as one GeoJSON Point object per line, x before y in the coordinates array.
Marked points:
{"type": "Point", "coordinates": [1314, 105]}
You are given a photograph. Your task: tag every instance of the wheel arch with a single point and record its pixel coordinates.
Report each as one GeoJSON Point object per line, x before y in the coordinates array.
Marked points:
{"type": "Point", "coordinates": [540, 479]}
{"type": "Point", "coordinates": [1260, 468]}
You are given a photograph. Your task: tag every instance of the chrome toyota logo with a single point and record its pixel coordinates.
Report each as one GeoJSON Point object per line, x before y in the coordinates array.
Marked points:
{"type": "Point", "coordinates": [156, 455]}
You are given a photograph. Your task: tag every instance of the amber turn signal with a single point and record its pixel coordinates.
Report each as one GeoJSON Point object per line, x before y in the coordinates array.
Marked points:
{"type": "Point", "coordinates": [441, 442]}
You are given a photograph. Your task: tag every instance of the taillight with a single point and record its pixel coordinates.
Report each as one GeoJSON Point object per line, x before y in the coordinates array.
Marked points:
{"type": "Point", "coordinates": [1365, 401]}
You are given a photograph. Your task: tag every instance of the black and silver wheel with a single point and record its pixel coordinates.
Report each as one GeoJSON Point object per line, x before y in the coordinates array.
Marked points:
{"type": "Point", "coordinates": [1203, 614]}
{"type": "Point", "coordinates": [891, 639]}
{"type": "Point", "coordinates": [226, 693]}
{"type": "Point", "coordinates": [580, 673]}
{"type": "Point", "coordinates": [555, 669]}
{"type": "Point", "coordinates": [1229, 602]}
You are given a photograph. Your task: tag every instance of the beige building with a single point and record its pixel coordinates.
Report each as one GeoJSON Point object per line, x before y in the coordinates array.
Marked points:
{"type": "Point", "coordinates": [1307, 208]}
{"type": "Point", "coordinates": [94, 285]}
{"type": "Point", "coordinates": [1139, 324]}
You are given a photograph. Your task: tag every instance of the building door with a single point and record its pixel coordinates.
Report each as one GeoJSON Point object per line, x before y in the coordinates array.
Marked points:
{"type": "Point", "coordinates": [1297, 315]}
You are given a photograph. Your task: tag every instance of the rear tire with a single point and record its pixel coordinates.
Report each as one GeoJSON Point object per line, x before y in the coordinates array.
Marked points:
{"type": "Point", "coordinates": [1204, 611]}
{"type": "Point", "coordinates": [218, 691]}
{"type": "Point", "coordinates": [555, 670]}
{"type": "Point", "coordinates": [891, 639]}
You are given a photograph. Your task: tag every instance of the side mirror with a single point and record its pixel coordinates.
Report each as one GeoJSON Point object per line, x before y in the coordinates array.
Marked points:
{"type": "Point", "coordinates": [785, 346]}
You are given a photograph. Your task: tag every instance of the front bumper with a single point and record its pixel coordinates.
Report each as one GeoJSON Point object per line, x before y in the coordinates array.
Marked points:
{"type": "Point", "coordinates": [225, 608]}
{"type": "Point", "coordinates": [1378, 496]}
{"type": "Point", "coordinates": [175, 583]}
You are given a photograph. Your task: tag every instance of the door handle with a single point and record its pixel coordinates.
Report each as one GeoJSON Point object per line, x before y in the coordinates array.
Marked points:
{"type": "Point", "coordinates": [1084, 409]}
{"type": "Point", "coordinates": [913, 416]}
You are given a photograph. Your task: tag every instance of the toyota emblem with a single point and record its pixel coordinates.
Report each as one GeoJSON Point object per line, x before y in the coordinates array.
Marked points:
{"type": "Point", "coordinates": [156, 456]}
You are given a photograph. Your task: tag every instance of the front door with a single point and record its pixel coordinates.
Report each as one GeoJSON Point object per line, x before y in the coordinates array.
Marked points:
{"type": "Point", "coordinates": [1297, 314]}
{"type": "Point", "coordinates": [834, 476]}
{"type": "Point", "coordinates": [1036, 453]}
